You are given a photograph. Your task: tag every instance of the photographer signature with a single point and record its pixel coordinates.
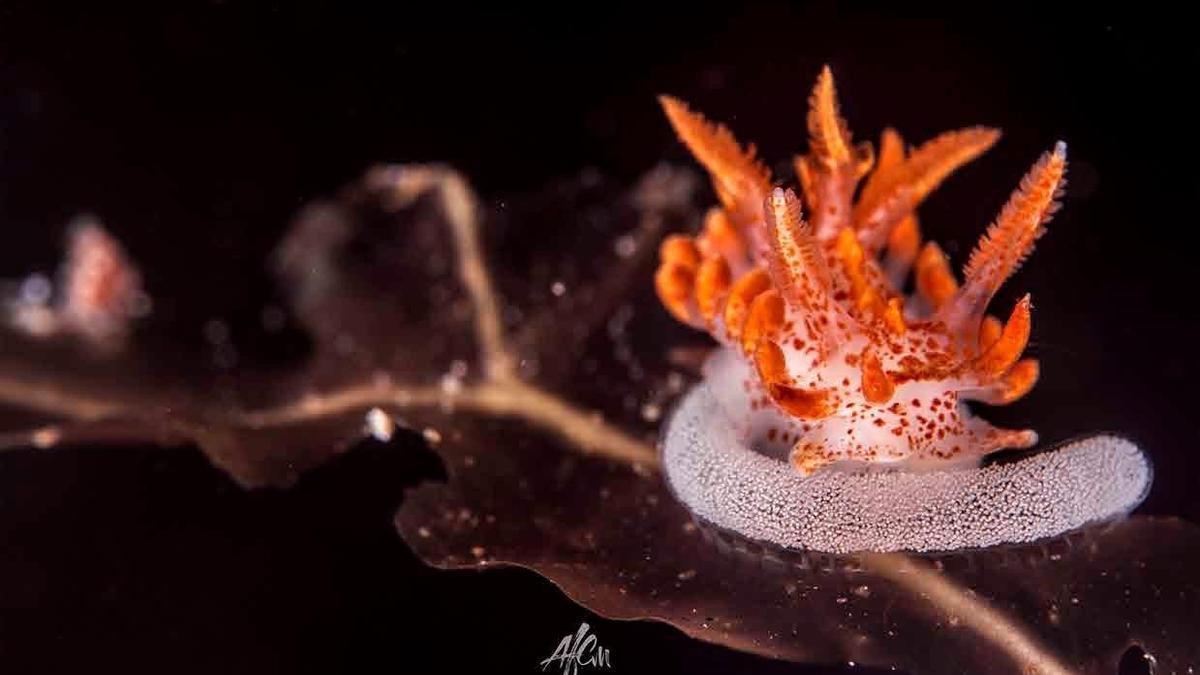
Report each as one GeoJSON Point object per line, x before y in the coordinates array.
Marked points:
{"type": "Point", "coordinates": [577, 650]}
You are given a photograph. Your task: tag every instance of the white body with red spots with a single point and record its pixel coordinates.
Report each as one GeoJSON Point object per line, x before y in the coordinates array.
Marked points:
{"type": "Point", "coordinates": [822, 351]}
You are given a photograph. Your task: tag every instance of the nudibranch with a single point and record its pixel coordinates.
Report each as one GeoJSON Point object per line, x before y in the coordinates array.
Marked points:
{"type": "Point", "coordinates": [827, 364]}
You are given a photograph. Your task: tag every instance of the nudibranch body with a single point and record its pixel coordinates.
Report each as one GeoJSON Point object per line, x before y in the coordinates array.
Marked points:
{"type": "Point", "coordinates": [859, 372]}
{"type": "Point", "coordinates": [824, 361]}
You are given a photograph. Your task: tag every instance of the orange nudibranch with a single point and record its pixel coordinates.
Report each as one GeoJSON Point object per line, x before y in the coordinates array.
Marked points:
{"type": "Point", "coordinates": [807, 288]}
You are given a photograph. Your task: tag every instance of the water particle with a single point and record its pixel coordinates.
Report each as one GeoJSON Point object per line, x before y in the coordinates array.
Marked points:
{"type": "Point", "coordinates": [651, 412]}
{"type": "Point", "coordinates": [46, 437]}
{"type": "Point", "coordinates": [625, 246]}
{"type": "Point", "coordinates": [380, 425]}
{"type": "Point", "coordinates": [451, 385]}
{"type": "Point", "coordinates": [36, 290]}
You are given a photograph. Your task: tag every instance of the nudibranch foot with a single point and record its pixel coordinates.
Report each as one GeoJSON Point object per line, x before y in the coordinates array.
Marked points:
{"type": "Point", "coordinates": [713, 470]}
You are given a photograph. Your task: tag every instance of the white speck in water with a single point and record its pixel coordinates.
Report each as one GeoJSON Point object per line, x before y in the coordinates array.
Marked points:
{"type": "Point", "coordinates": [451, 385]}
{"type": "Point", "coordinates": [46, 437]}
{"type": "Point", "coordinates": [452, 381]}
{"type": "Point", "coordinates": [625, 246]}
{"type": "Point", "coordinates": [36, 289]}
{"type": "Point", "coordinates": [675, 382]}
{"type": "Point", "coordinates": [558, 288]}
{"type": "Point", "coordinates": [433, 436]}
{"type": "Point", "coordinates": [651, 412]}
{"type": "Point", "coordinates": [380, 425]}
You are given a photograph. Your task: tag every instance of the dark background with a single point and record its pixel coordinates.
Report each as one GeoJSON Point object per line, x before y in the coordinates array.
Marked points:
{"type": "Point", "coordinates": [196, 130]}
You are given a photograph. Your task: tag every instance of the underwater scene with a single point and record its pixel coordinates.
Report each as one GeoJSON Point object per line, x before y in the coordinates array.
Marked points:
{"type": "Point", "coordinates": [761, 339]}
